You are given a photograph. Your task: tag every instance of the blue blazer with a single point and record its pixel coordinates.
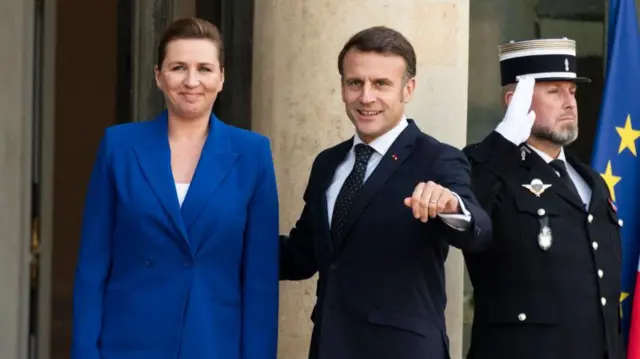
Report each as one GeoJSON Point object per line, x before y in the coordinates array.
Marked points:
{"type": "Point", "coordinates": [156, 280]}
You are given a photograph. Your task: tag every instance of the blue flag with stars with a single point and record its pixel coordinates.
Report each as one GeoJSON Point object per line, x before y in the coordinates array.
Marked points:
{"type": "Point", "coordinates": [616, 145]}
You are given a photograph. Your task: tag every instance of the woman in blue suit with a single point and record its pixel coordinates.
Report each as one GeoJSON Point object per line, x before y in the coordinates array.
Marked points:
{"type": "Point", "coordinates": [179, 250]}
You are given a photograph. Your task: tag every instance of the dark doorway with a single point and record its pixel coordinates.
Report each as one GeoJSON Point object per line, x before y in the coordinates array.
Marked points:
{"type": "Point", "coordinates": [85, 95]}
{"type": "Point", "coordinates": [124, 43]}
{"type": "Point", "coordinates": [234, 18]}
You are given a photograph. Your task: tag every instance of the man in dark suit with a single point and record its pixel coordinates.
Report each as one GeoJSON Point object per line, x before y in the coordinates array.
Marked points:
{"type": "Point", "coordinates": [549, 285]}
{"type": "Point", "coordinates": [379, 248]}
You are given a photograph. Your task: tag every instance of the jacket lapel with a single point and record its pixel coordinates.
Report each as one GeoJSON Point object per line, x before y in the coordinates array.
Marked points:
{"type": "Point", "coordinates": [213, 166]}
{"type": "Point", "coordinates": [599, 194]}
{"type": "Point", "coordinates": [216, 159]}
{"type": "Point", "coordinates": [154, 158]}
{"type": "Point", "coordinates": [390, 162]}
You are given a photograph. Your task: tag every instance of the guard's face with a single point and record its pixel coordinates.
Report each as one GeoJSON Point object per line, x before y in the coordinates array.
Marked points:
{"type": "Point", "coordinates": [556, 112]}
{"type": "Point", "coordinates": [375, 91]}
{"type": "Point", "coordinates": [191, 77]}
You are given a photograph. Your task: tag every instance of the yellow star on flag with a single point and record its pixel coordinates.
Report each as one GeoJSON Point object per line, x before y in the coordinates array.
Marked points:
{"type": "Point", "coordinates": [628, 137]}
{"type": "Point", "coordinates": [623, 296]}
{"type": "Point", "coordinates": [611, 180]}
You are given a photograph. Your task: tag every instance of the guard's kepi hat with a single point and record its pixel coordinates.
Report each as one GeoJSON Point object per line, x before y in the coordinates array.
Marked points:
{"type": "Point", "coordinates": [542, 59]}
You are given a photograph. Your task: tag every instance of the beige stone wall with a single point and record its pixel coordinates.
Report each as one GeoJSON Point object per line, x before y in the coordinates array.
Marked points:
{"type": "Point", "coordinates": [16, 60]}
{"type": "Point", "coordinates": [296, 102]}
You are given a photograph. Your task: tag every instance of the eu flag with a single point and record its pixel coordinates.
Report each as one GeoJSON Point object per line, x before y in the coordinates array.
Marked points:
{"type": "Point", "coordinates": [615, 153]}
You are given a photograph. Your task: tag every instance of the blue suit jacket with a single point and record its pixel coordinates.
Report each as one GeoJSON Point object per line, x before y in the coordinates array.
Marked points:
{"type": "Point", "coordinates": [155, 280]}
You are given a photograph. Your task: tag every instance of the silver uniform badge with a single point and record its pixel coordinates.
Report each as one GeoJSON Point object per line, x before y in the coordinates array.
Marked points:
{"type": "Point", "coordinates": [544, 238]}
{"type": "Point", "coordinates": [536, 187]}
{"type": "Point", "coordinates": [523, 152]}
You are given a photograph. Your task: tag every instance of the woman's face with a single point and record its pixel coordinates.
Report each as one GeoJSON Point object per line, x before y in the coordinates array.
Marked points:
{"type": "Point", "coordinates": [190, 77]}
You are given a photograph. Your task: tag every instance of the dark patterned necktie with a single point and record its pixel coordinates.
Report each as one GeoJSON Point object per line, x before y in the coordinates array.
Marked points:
{"type": "Point", "coordinates": [561, 167]}
{"type": "Point", "coordinates": [348, 191]}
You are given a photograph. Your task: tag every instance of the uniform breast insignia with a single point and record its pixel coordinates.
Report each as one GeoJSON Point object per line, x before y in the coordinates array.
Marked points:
{"type": "Point", "coordinates": [524, 151]}
{"type": "Point", "coordinates": [536, 187]}
{"type": "Point", "coordinates": [544, 238]}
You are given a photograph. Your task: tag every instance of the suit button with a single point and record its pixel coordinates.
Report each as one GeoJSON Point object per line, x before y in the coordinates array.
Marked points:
{"type": "Point", "coordinates": [595, 245]}
{"type": "Point", "coordinates": [541, 212]}
{"type": "Point", "coordinates": [590, 218]}
{"type": "Point", "coordinates": [333, 266]}
{"type": "Point", "coordinates": [522, 317]}
{"type": "Point", "coordinates": [603, 300]}
{"type": "Point", "coordinates": [600, 273]}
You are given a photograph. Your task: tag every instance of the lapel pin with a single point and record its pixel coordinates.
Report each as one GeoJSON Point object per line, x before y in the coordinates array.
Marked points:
{"type": "Point", "coordinates": [536, 187]}
{"type": "Point", "coordinates": [544, 238]}
{"type": "Point", "coordinates": [395, 158]}
{"type": "Point", "coordinates": [613, 206]}
{"type": "Point", "coordinates": [523, 152]}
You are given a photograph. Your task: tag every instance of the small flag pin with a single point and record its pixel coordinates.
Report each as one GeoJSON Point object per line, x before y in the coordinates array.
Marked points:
{"type": "Point", "coordinates": [395, 158]}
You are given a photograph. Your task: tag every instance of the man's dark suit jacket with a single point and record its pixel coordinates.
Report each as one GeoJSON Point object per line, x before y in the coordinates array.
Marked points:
{"type": "Point", "coordinates": [381, 295]}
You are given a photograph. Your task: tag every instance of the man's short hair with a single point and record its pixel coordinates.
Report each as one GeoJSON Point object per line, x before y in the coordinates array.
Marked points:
{"type": "Point", "coordinates": [382, 40]}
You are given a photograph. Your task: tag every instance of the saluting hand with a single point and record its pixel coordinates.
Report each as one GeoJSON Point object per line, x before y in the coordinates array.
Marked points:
{"type": "Point", "coordinates": [518, 120]}
{"type": "Point", "coordinates": [430, 199]}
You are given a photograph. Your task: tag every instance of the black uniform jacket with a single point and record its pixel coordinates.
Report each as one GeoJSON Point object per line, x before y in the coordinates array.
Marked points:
{"type": "Point", "coordinates": [381, 293]}
{"type": "Point", "coordinates": [549, 286]}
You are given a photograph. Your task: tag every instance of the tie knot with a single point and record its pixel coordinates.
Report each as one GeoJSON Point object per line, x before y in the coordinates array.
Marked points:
{"type": "Point", "coordinates": [363, 152]}
{"type": "Point", "coordinates": [559, 166]}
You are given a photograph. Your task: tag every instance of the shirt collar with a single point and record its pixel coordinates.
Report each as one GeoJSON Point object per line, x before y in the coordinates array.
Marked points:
{"type": "Point", "coordinates": [384, 142]}
{"type": "Point", "coordinates": [546, 157]}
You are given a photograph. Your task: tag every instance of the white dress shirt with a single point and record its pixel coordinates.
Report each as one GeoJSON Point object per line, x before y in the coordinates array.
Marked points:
{"type": "Point", "coordinates": [181, 191]}
{"type": "Point", "coordinates": [381, 145]}
{"type": "Point", "coordinates": [581, 185]}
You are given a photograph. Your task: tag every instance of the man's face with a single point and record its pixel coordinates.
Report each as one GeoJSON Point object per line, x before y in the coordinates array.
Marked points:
{"type": "Point", "coordinates": [375, 91]}
{"type": "Point", "coordinates": [556, 112]}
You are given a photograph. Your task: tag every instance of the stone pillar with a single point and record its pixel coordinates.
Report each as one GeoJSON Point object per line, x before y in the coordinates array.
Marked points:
{"type": "Point", "coordinates": [16, 124]}
{"type": "Point", "coordinates": [296, 102]}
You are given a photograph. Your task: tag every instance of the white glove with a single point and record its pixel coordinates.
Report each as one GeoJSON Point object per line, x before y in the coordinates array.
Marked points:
{"type": "Point", "coordinates": [518, 121]}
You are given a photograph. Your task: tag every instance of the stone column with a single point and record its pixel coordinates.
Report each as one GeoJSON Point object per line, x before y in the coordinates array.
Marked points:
{"type": "Point", "coordinates": [296, 102]}
{"type": "Point", "coordinates": [16, 124]}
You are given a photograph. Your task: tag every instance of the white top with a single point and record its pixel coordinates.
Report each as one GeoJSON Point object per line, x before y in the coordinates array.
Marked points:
{"type": "Point", "coordinates": [381, 145]}
{"type": "Point", "coordinates": [181, 190]}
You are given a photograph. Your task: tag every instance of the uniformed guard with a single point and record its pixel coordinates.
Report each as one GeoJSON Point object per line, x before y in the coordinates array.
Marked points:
{"type": "Point", "coordinates": [549, 286]}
